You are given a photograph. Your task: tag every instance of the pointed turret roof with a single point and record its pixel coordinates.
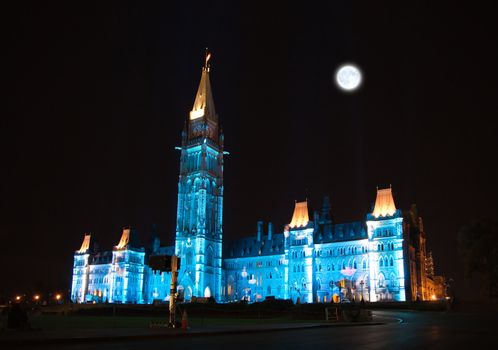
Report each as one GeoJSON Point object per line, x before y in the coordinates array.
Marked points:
{"type": "Point", "coordinates": [125, 238]}
{"type": "Point", "coordinates": [85, 245]}
{"type": "Point", "coordinates": [300, 218]}
{"type": "Point", "coordinates": [384, 203]}
{"type": "Point", "coordinates": [204, 103]}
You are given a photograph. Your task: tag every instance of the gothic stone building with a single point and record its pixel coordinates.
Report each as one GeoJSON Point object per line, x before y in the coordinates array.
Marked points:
{"type": "Point", "coordinates": [380, 258]}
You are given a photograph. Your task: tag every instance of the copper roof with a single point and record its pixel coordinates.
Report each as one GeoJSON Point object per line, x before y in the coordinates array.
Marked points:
{"type": "Point", "coordinates": [384, 204]}
{"type": "Point", "coordinates": [204, 103]}
{"type": "Point", "coordinates": [85, 245]}
{"type": "Point", "coordinates": [300, 217]}
{"type": "Point", "coordinates": [125, 239]}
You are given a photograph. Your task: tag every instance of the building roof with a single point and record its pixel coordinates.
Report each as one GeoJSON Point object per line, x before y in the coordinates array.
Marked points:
{"type": "Point", "coordinates": [85, 245]}
{"type": "Point", "coordinates": [384, 203]}
{"type": "Point", "coordinates": [129, 240]}
{"type": "Point", "coordinates": [204, 103]}
{"type": "Point", "coordinates": [125, 239]}
{"type": "Point", "coordinates": [349, 231]}
{"type": "Point", "coordinates": [300, 217]}
{"type": "Point", "coordinates": [251, 247]}
{"type": "Point", "coordinates": [101, 258]}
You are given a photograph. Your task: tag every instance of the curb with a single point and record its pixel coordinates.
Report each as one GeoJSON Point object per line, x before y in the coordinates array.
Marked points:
{"type": "Point", "coordinates": [179, 334]}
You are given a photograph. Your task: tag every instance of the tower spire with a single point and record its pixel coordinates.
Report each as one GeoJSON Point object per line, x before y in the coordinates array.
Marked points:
{"type": "Point", "coordinates": [203, 120]}
{"type": "Point", "coordinates": [208, 56]}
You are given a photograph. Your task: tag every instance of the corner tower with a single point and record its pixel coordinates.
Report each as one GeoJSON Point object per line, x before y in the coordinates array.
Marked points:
{"type": "Point", "coordinates": [200, 197]}
{"type": "Point", "coordinates": [385, 252]}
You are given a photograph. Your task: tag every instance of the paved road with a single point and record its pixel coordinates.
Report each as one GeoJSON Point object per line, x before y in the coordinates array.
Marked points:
{"type": "Point", "coordinates": [418, 329]}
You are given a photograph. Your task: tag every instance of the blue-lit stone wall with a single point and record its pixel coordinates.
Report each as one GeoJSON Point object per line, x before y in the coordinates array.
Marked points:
{"type": "Point", "coordinates": [199, 231]}
{"type": "Point", "coordinates": [115, 277]}
{"type": "Point", "coordinates": [352, 261]}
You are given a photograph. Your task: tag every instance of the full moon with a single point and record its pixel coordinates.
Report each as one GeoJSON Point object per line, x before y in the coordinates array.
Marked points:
{"type": "Point", "coordinates": [348, 77]}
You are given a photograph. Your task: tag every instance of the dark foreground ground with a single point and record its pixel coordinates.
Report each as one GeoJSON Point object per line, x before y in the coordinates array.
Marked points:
{"type": "Point", "coordinates": [405, 330]}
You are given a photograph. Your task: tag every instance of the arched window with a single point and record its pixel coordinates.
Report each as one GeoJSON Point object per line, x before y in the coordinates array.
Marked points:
{"type": "Point", "coordinates": [298, 268]}
{"type": "Point", "coordinates": [268, 290]}
{"type": "Point", "coordinates": [364, 264]}
{"type": "Point", "coordinates": [343, 264]}
{"type": "Point", "coordinates": [391, 262]}
{"type": "Point", "coordinates": [349, 263]}
{"type": "Point", "coordinates": [189, 258]}
{"type": "Point", "coordinates": [381, 262]}
{"type": "Point", "coordinates": [382, 280]}
{"type": "Point", "coordinates": [209, 256]}
{"type": "Point", "coordinates": [333, 267]}
{"type": "Point", "coordinates": [354, 264]}
{"type": "Point", "coordinates": [382, 246]}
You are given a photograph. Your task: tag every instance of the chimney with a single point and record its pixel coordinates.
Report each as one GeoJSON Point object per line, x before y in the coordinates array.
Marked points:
{"type": "Point", "coordinates": [270, 230]}
{"type": "Point", "coordinates": [260, 230]}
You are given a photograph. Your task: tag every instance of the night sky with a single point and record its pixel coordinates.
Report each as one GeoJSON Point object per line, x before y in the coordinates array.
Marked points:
{"type": "Point", "coordinates": [97, 96]}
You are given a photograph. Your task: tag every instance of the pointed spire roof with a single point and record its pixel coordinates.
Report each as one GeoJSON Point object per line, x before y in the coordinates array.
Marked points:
{"type": "Point", "coordinates": [204, 103]}
{"type": "Point", "coordinates": [384, 203]}
{"type": "Point", "coordinates": [300, 218]}
{"type": "Point", "coordinates": [85, 245]}
{"type": "Point", "coordinates": [125, 238]}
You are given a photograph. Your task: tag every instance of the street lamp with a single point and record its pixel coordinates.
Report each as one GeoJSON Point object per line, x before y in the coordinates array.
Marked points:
{"type": "Point", "coordinates": [361, 289]}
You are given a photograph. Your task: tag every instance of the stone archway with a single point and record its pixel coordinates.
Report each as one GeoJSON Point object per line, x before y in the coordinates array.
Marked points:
{"type": "Point", "coordinates": [207, 292]}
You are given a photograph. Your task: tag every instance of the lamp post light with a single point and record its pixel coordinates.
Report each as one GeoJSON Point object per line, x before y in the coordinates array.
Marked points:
{"type": "Point", "coordinates": [361, 289]}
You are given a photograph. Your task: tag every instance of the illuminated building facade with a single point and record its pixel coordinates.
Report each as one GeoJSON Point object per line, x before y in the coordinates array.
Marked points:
{"type": "Point", "coordinates": [380, 258]}
{"type": "Point", "coordinates": [115, 276]}
{"type": "Point", "coordinates": [320, 261]}
{"type": "Point", "coordinates": [200, 198]}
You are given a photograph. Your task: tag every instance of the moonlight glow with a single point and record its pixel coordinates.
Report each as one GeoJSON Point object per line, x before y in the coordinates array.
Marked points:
{"type": "Point", "coordinates": [348, 77]}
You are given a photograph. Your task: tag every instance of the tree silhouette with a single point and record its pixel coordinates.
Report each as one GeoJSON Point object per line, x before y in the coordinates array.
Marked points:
{"type": "Point", "coordinates": [478, 248]}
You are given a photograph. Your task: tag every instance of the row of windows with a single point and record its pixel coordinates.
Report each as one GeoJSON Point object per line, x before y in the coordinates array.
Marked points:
{"type": "Point", "coordinates": [385, 232]}
{"type": "Point", "coordinates": [268, 263]}
{"type": "Point", "coordinates": [388, 246]}
{"type": "Point", "coordinates": [351, 250]}
{"type": "Point", "coordinates": [386, 262]}
{"type": "Point", "coordinates": [332, 267]}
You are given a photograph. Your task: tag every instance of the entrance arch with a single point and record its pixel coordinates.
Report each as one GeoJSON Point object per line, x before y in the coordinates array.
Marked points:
{"type": "Point", "coordinates": [207, 292]}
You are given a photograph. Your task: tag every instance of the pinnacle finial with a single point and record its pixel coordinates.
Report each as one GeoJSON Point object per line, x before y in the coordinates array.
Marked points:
{"type": "Point", "coordinates": [208, 56]}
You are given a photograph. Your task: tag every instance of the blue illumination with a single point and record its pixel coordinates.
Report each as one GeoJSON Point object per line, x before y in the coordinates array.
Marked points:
{"type": "Point", "coordinates": [319, 262]}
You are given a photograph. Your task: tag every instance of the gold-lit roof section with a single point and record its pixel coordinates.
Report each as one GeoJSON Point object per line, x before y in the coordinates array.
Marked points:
{"type": "Point", "coordinates": [300, 217]}
{"type": "Point", "coordinates": [384, 203]}
{"type": "Point", "coordinates": [125, 239]}
{"type": "Point", "coordinates": [85, 245]}
{"type": "Point", "coordinates": [204, 103]}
